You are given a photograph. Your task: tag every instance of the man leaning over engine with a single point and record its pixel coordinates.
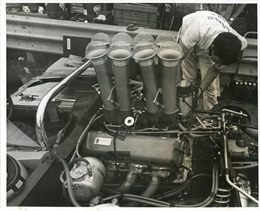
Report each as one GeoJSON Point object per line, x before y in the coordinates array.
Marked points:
{"type": "Point", "coordinates": [208, 40]}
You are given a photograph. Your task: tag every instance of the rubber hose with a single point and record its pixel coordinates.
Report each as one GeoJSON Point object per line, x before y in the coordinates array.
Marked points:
{"type": "Point", "coordinates": [128, 183]}
{"type": "Point", "coordinates": [148, 192]}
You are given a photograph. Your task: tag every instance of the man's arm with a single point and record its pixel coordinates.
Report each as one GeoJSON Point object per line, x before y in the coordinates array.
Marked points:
{"type": "Point", "coordinates": [185, 53]}
{"type": "Point", "coordinates": [184, 49]}
{"type": "Point", "coordinates": [237, 12]}
{"type": "Point", "coordinates": [209, 78]}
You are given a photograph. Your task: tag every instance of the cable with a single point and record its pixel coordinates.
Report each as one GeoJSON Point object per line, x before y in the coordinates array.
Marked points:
{"type": "Point", "coordinates": [243, 101]}
{"type": "Point", "coordinates": [68, 179]}
{"type": "Point", "coordinates": [114, 144]}
{"type": "Point", "coordinates": [141, 199]}
{"type": "Point", "coordinates": [201, 175]}
{"type": "Point", "coordinates": [173, 192]}
{"type": "Point", "coordinates": [214, 190]}
{"type": "Point", "coordinates": [191, 115]}
{"type": "Point", "coordinates": [83, 134]}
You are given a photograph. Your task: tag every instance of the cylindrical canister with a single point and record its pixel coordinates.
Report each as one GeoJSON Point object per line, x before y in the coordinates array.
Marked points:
{"type": "Point", "coordinates": [170, 56]}
{"type": "Point", "coordinates": [86, 186]}
{"type": "Point", "coordinates": [185, 97]}
{"type": "Point", "coordinates": [120, 53]}
{"type": "Point", "coordinates": [144, 53]}
{"type": "Point", "coordinates": [16, 176]}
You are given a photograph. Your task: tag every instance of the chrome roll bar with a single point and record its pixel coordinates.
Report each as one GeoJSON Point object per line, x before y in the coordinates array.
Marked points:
{"type": "Point", "coordinates": [40, 129]}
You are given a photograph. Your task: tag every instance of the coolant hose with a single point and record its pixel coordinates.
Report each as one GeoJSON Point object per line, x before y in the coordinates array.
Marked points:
{"type": "Point", "coordinates": [128, 183]}
{"type": "Point", "coordinates": [69, 183]}
{"type": "Point", "coordinates": [152, 187]}
{"type": "Point", "coordinates": [148, 192]}
{"type": "Point", "coordinates": [138, 200]}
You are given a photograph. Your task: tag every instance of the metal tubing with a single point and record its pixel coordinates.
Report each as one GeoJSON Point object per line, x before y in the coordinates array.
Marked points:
{"type": "Point", "coordinates": [40, 130]}
{"type": "Point", "coordinates": [227, 167]}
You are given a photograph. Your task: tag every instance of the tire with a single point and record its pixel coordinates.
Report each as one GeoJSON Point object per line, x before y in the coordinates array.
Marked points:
{"type": "Point", "coordinates": [235, 107]}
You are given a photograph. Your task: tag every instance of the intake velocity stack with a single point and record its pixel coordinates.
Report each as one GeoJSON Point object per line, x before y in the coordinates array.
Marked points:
{"type": "Point", "coordinates": [97, 52]}
{"type": "Point", "coordinates": [120, 53]}
{"type": "Point", "coordinates": [144, 53]}
{"type": "Point", "coordinates": [170, 54]}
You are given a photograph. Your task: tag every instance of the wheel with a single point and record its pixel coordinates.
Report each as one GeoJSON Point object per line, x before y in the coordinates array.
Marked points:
{"type": "Point", "coordinates": [235, 107]}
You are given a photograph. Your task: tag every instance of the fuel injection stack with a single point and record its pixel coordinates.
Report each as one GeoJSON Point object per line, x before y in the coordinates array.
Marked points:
{"type": "Point", "coordinates": [158, 61]}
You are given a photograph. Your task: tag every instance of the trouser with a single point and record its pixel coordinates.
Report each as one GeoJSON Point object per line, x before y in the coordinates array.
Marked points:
{"type": "Point", "coordinates": [189, 72]}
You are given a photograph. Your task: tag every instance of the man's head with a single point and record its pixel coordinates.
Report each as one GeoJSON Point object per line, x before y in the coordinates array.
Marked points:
{"type": "Point", "coordinates": [226, 47]}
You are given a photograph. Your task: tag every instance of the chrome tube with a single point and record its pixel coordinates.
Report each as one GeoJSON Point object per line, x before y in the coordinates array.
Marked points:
{"type": "Point", "coordinates": [40, 130]}
{"type": "Point", "coordinates": [227, 175]}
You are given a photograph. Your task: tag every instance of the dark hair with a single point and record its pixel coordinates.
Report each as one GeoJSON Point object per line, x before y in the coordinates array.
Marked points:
{"type": "Point", "coordinates": [227, 47]}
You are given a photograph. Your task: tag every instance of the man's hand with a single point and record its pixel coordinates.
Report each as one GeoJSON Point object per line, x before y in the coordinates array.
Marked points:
{"type": "Point", "coordinates": [209, 78]}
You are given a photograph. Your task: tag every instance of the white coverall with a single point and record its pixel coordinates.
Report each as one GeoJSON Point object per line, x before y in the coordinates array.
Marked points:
{"type": "Point", "coordinates": [197, 33]}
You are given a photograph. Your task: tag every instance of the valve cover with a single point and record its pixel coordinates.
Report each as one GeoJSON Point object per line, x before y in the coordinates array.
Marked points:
{"type": "Point", "coordinates": [151, 149]}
